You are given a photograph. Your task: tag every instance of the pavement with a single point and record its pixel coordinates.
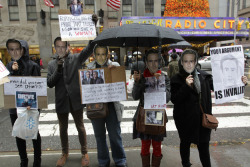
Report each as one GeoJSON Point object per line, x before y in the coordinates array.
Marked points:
{"type": "Point", "coordinates": [229, 155]}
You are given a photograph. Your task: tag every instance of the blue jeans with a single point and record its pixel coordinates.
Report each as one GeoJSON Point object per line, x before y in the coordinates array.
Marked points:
{"type": "Point", "coordinates": [114, 132]}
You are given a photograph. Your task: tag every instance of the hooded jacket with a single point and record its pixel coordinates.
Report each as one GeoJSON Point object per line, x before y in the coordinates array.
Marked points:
{"type": "Point", "coordinates": [187, 113]}
{"type": "Point", "coordinates": [26, 67]}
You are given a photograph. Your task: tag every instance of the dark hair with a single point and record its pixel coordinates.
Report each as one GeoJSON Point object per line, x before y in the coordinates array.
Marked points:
{"type": "Point", "coordinates": [174, 56]}
{"type": "Point", "coordinates": [13, 41]}
{"type": "Point", "coordinates": [98, 46]}
{"type": "Point", "coordinates": [59, 39]}
{"type": "Point", "coordinates": [150, 52]}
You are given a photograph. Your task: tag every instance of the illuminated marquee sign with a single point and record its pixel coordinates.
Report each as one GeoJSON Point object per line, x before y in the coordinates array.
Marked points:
{"type": "Point", "coordinates": [197, 26]}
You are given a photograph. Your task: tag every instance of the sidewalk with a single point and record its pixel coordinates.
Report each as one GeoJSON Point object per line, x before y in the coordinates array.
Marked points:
{"type": "Point", "coordinates": [230, 155]}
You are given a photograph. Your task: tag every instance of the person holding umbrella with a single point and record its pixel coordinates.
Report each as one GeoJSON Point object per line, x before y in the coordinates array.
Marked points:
{"type": "Point", "coordinates": [152, 69]}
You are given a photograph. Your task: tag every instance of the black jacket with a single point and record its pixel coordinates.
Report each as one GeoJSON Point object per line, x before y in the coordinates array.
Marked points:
{"type": "Point", "coordinates": [66, 81]}
{"type": "Point", "coordinates": [26, 67]}
{"type": "Point", "coordinates": [187, 112]}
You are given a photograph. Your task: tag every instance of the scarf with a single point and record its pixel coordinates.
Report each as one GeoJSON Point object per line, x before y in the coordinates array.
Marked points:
{"type": "Point", "coordinates": [147, 73]}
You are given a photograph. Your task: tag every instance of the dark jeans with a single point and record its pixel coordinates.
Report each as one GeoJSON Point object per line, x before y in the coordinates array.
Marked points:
{"type": "Point", "coordinates": [203, 149]}
{"type": "Point", "coordinates": [63, 126]}
{"type": "Point", "coordinates": [21, 144]}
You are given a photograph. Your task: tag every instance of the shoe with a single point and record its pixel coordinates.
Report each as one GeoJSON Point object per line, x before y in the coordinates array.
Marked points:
{"type": "Point", "coordinates": [37, 163]}
{"type": "Point", "coordinates": [125, 165]}
{"type": "Point", "coordinates": [24, 162]}
{"type": "Point", "coordinates": [85, 160]}
{"type": "Point", "coordinates": [62, 160]}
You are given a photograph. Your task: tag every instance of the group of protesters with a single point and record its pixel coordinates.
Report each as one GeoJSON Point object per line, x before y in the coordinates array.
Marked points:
{"type": "Point", "coordinates": [187, 89]}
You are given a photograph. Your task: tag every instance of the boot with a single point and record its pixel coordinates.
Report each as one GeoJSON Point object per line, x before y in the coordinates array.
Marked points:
{"type": "Point", "coordinates": [85, 160]}
{"type": "Point", "coordinates": [37, 162]}
{"type": "Point", "coordinates": [62, 160]}
{"type": "Point", "coordinates": [145, 160]}
{"type": "Point", "coordinates": [186, 164]}
{"type": "Point", "coordinates": [156, 161]}
{"type": "Point", "coordinates": [24, 162]}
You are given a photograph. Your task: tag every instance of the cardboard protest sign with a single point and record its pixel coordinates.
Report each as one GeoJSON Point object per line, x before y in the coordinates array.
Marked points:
{"type": "Point", "coordinates": [25, 84]}
{"type": "Point", "coordinates": [3, 70]}
{"type": "Point", "coordinates": [155, 95]}
{"type": "Point", "coordinates": [76, 27]}
{"type": "Point", "coordinates": [103, 85]}
{"type": "Point", "coordinates": [25, 99]}
{"type": "Point", "coordinates": [227, 69]}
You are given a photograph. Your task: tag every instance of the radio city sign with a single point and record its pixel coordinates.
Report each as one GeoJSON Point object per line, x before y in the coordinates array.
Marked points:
{"type": "Point", "coordinates": [197, 26]}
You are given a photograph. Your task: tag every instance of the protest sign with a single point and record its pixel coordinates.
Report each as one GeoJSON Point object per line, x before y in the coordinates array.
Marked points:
{"type": "Point", "coordinates": [103, 85]}
{"type": "Point", "coordinates": [227, 69]}
{"type": "Point", "coordinates": [25, 84]}
{"type": "Point", "coordinates": [25, 99]}
{"type": "Point", "coordinates": [73, 28]}
{"type": "Point", "coordinates": [155, 100]}
{"type": "Point", "coordinates": [3, 70]}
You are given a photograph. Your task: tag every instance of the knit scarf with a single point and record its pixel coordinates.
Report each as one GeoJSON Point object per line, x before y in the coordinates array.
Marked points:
{"type": "Point", "coordinates": [147, 73]}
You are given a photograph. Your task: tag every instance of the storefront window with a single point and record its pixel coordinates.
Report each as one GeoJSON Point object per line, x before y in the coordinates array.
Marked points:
{"type": "Point", "coordinates": [149, 8]}
{"type": "Point", "coordinates": [163, 3]}
{"type": "Point", "coordinates": [89, 4]}
{"type": "Point", "coordinates": [13, 10]}
{"type": "Point", "coordinates": [54, 11]}
{"type": "Point", "coordinates": [127, 8]}
{"type": "Point", "coordinates": [31, 9]}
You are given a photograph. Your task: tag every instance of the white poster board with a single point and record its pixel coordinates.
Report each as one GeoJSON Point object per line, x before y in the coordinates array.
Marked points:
{"type": "Point", "coordinates": [155, 100]}
{"type": "Point", "coordinates": [26, 84]}
{"type": "Point", "coordinates": [102, 93]}
{"type": "Point", "coordinates": [73, 28]}
{"type": "Point", "coordinates": [3, 70]}
{"type": "Point", "coordinates": [227, 69]}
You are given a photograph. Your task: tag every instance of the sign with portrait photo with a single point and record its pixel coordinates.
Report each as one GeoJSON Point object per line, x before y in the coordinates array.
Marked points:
{"type": "Point", "coordinates": [227, 69]}
{"type": "Point", "coordinates": [154, 117]}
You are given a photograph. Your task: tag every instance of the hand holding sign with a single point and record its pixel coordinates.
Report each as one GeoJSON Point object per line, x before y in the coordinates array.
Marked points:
{"type": "Point", "coordinates": [244, 79]}
{"type": "Point", "coordinates": [15, 66]}
{"type": "Point", "coordinates": [189, 80]}
{"type": "Point", "coordinates": [137, 76]}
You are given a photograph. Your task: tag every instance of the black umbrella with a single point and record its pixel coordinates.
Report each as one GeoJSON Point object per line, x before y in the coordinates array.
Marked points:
{"type": "Point", "coordinates": [181, 45]}
{"type": "Point", "coordinates": [143, 35]}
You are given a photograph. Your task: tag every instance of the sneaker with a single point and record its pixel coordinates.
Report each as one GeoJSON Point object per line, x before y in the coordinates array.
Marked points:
{"type": "Point", "coordinates": [62, 160]}
{"type": "Point", "coordinates": [85, 160]}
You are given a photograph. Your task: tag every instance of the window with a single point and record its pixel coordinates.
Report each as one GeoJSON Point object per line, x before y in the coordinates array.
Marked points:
{"type": "Point", "coordinates": [163, 3]}
{"type": "Point", "coordinates": [238, 5]}
{"type": "Point", "coordinates": [31, 9]}
{"type": "Point", "coordinates": [232, 9]}
{"type": "Point", "coordinates": [54, 11]}
{"type": "Point", "coordinates": [127, 8]}
{"type": "Point", "coordinates": [244, 5]}
{"type": "Point", "coordinates": [149, 8]}
{"type": "Point", "coordinates": [228, 7]}
{"type": "Point", "coordinates": [89, 4]}
{"type": "Point", "coordinates": [112, 14]}
{"type": "Point", "coordinates": [13, 10]}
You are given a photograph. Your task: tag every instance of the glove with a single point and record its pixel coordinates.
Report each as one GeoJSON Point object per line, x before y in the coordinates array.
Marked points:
{"type": "Point", "coordinates": [60, 64]}
{"type": "Point", "coordinates": [94, 18]}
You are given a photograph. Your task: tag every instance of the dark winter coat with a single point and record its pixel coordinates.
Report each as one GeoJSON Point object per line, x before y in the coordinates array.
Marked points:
{"type": "Point", "coordinates": [138, 93]}
{"type": "Point", "coordinates": [26, 67]}
{"type": "Point", "coordinates": [66, 81]}
{"type": "Point", "coordinates": [187, 113]}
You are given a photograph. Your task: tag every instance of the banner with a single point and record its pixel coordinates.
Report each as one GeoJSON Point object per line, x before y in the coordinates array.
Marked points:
{"type": "Point", "coordinates": [227, 69]}
{"type": "Point", "coordinates": [3, 70]}
{"type": "Point", "coordinates": [74, 28]}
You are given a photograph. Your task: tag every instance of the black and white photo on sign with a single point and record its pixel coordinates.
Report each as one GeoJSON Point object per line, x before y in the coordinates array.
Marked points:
{"type": "Point", "coordinates": [155, 85]}
{"type": "Point", "coordinates": [154, 117]}
{"type": "Point", "coordinates": [227, 68]}
{"type": "Point", "coordinates": [92, 77]}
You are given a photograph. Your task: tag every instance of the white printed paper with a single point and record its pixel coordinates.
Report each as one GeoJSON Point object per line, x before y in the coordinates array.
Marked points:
{"type": "Point", "coordinates": [74, 28]}
{"type": "Point", "coordinates": [3, 70]}
{"type": "Point", "coordinates": [101, 93]}
{"type": "Point", "coordinates": [155, 100]}
{"type": "Point", "coordinates": [227, 69]}
{"type": "Point", "coordinates": [26, 84]}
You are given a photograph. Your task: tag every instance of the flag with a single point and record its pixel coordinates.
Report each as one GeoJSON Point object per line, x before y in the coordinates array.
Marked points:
{"type": "Point", "coordinates": [48, 3]}
{"type": "Point", "coordinates": [114, 4]}
{"type": "Point", "coordinates": [1, 6]}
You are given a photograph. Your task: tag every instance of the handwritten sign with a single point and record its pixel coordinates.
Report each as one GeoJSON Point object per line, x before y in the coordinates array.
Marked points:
{"type": "Point", "coordinates": [227, 69]}
{"type": "Point", "coordinates": [74, 28]}
{"type": "Point", "coordinates": [155, 100]}
{"type": "Point", "coordinates": [3, 70]}
{"type": "Point", "coordinates": [101, 93]}
{"type": "Point", "coordinates": [26, 84]}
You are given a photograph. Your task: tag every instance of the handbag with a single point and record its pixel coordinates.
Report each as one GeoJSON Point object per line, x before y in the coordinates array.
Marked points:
{"type": "Point", "coordinates": [149, 129]}
{"type": "Point", "coordinates": [209, 121]}
{"type": "Point", "coordinates": [97, 110]}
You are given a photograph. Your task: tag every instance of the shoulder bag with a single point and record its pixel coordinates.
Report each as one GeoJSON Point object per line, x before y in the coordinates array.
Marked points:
{"type": "Point", "coordinates": [97, 110]}
{"type": "Point", "coordinates": [209, 121]}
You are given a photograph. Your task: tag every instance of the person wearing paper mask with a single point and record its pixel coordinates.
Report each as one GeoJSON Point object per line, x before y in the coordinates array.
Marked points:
{"type": "Point", "coordinates": [21, 65]}
{"type": "Point", "coordinates": [190, 88]}
{"type": "Point", "coordinates": [152, 61]}
{"type": "Point", "coordinates": [111, 122]}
